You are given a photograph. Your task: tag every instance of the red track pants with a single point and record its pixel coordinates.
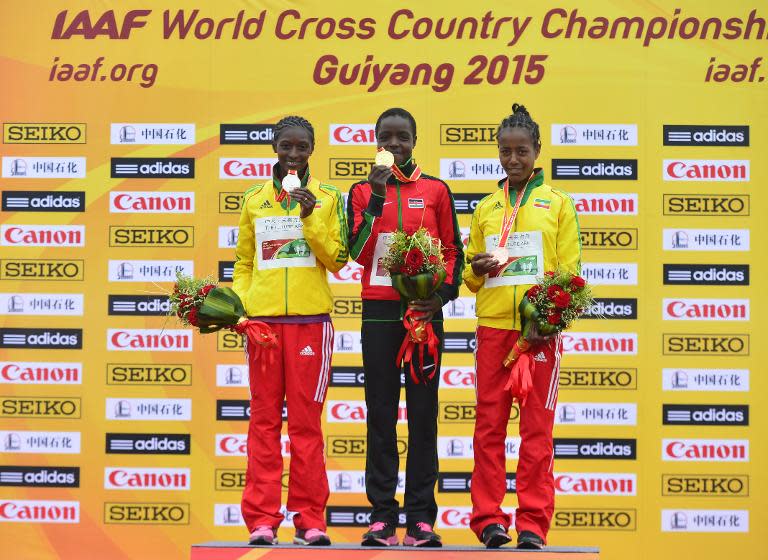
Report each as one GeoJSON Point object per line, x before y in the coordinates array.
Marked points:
{"type": "Point", "coordinates": [535, 483]}
{"type": "Point", "coordinates": [299, 373]}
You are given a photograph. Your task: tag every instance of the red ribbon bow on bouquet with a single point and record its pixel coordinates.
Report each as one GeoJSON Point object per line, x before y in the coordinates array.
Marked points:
{"type": "Point", "coordinates": [520, 381]}
{"type": "Point", "coordinates": [420, 335]}
{"type": "Point", "coordinates": [262, 337]}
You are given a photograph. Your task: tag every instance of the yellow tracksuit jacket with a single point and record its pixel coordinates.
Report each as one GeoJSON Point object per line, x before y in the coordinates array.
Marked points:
{"type": "Point", "coordinates": [281, 259]}
{"type": "Point", "coordinates": [545, 236]}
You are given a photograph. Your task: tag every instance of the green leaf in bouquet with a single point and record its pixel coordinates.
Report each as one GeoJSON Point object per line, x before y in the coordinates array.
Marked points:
{"type": "Point", "coordinates": [419, 286]}
{"type": "Point", "coordinates": [222, 308]}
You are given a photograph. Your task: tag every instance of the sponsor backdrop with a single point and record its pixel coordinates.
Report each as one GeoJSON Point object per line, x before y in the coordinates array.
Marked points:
{"type": "Point", "coordinates": [130, 131]}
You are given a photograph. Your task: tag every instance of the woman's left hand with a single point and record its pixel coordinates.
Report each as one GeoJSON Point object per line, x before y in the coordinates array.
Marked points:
{"type": "Point", "coordinates": [535, 338]}
{"type": "Point", "coordinates": [426, 308]}
{"type": "Point", "coordinates": [306, 200]}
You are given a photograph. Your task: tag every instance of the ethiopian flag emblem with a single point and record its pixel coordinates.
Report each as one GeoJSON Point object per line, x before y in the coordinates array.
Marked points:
{"type": "Point", "coordinates": [541, 203]}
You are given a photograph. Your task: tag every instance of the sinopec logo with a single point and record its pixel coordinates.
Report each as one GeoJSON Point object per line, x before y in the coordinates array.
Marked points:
{"type": "Point", "coordinates": [146, 513]}
{"type": "Point", "coordinates": [42, 236]}
{"type": "Point", "coordinates": [230, 202]}
{"type": "Point", "coordinates": [595, 519]}
{"type": "Point", "coordinates": [132, 478]}
{"type": "Point", "coordinates": [148, 271]}
{"type": "Point", "coordinates": [705, 135]}
{"type": "Point", "coordinates": [705, 414]}
{"type": "Point", "coordinates": [245, 168]}
{"type": "Point", "coordinates": [230, 479]}
{"type": "Point", "coordinates": [610, 274]}
{"type": "Point", "coordinates": [706, 205]}
{"type": "Point", "coordinates": [705, 485]}
{"type": "Point", "coordinates": [689, 379]}
{"type": "Point", "coordinates": [41, 373]}
{"type": "Point", "coordinates": [246, 133]}
{"type": "Point", "coordinates": [148, 444]}
{"type": "Point", "coordinates": [149, 374]}
{"type": "Point", "coordinates": [152, 168]}
{"type": "Point", "coordinates": [25, 167]}
{"type": "Point", "coordinates": [151, 133]}
{"type": "Point", "coordinates": [605, 204]}
{"type": "Point", "coordinates": [594, 169]}
{"type": "Point", "coordinates": [705, 170]}
{"type": "Point", "coordinates": [352, 135]}
{"type": "Point", "coordinates": [618, 239]}
{"type": "Point", "coordinates": [596, 484]}
{"type": "Point", "coordinates": [231, 375]}
{"type": "Point", "coordinates": [707, 274]}
{"type": "Point", "coordinates": [736, 450]}
{"type": "Point", "coordinates": [612, 308]}
{"type": "Point", "coordinates": [44, 133]}
{"type": "Point", "coordinates": [49, 339]}
{"type": "Point", "coordinates": [41, 477]}
{"type": "Point", "coordinates": [138, 305]}
{"type": "Point", "coordinates": [594, 134]}
{"type": "Point", "coordinates": [598, 378]}
{"type": "Point", "coordinates": [355, 169]}
{"type": "Point", "coordinates": [39, 442]}
{"type": "Point", "coordinates": [143, 340]}
{"type": "Point", "coordinates": [43, 201]}
{"type": "Point", "coordinates": [158, 236]}
{"type": "Point", "coordinates": [40, 407]}
{"type": "Point", "coordinates": [39, 511]}
{"type": "Point", "coordinates": [574, 448]}
{"type": "Point", "coordinates": [41, 269]}
{"type": "Point", "coordinates": [138, 202]}
{"type": "Point", "coordinates": [681, 309]}
{"type": "Point", "coordinates": [600, 414]}
{"type": "Point", "coordinates": [148, 409]}
{"type": "Point", "coordinates": [468, 134]}
{"type": "Point", "coordinates": [693, 344]}
{"type": "Point", "coordinates": [706, 239]}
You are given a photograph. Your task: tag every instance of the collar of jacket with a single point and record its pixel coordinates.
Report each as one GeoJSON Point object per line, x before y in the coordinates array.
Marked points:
{"type": "Point", "coordinates": [407, 168]}
{"type": "Point", "coordinates": [536, 181]}
{"type": "Point", "coordinates": [278, 184]}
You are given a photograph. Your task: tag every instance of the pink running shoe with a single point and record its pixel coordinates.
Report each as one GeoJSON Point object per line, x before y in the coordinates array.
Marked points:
{"type": "Point", "coordinates": [263, 534]}
{"type": "Point", "coordinates": [311, 537]}
{"type": "Point", "coordinates": [380, 534]}
{"type": "Point", "coordinates": [422, 535]}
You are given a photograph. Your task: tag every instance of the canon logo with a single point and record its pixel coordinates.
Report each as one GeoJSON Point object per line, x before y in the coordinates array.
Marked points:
{"type": "Point", "coordinates": [171, 340]}
{"type": "Point", "coordinates": [596, 484]}
{"type": "Point", "coordinates": [457, 378]}
{"type": "Point", "coordinates": [351, 273]}
{"type": "Point", "coordinates": [40, 372]}
{"type": "Point", "coordinates": [237, 445]}
{"type": "Point", "coordinates": [704, 450]}
{"type": "Point", "coordinates": [706, 170]}
{"type": "Point", "coordinates": [706, 310]}
{"type": "Point", "coordinates": [600, 343]}
{"type": "Point", "coordinates": [245, 168]}
{"type": "Point", "coordinates": [39, 511]}
{"type": "Point", "coordinates": [352, 134]}
{"type": "Point", "coordinates": [127, 478]}
{"type": "Point", "coordinates": [355, 411]}
{"type": "Point", "coordinates": [152, 202]}
{"type": "Point", "coordinates": [605, 204]}
{"type": "Point", "coordinates": [595, 169]}
{"type": "Point", "coordinates": [42, 236]}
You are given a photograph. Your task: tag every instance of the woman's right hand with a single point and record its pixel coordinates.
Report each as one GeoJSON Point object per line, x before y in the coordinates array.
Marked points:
{"type": "Point", "coordinates": [483, 263]}
{"type": "Point", "coordinates": [378, 177]}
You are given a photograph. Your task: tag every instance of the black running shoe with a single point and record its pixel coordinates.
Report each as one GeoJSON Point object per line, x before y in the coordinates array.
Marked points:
{"type": "Point", "coordinates": [529, 540]}
{"type": "Point", "coordinates": [422, 535]}
{"type": "Point", "coordinates": [380, 534]}
{"type": "Point", "coordinates": [495, 536]}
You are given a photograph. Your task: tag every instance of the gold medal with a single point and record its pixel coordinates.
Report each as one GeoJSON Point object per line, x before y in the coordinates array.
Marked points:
{"type": "Point", "coordinates": [500, 255]}
{"type": "Point", "coordinates": [291, 182]}
{"type": "Point", "coordinates": [385, 158]}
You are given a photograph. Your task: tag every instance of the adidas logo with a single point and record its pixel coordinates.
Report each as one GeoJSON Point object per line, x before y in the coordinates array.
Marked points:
{"type": "Point", "coordinates": [307, 351]}
{"type": "Point", "coordinates": [540, 357]}
{"type": "Point", "coordinates": [497, 206]}
{"type": "Point", "coordinates": [265, 204]}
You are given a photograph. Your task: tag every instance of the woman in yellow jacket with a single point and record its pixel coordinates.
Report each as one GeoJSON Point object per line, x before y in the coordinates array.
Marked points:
{"type": "Point", "coordinates": [292, 230]}
{"type": "Point", "coordinates": [522, 230]}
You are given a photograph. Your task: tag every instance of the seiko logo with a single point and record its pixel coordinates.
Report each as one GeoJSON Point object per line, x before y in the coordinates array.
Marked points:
{"type": "Point", "coordinates": [675, 379]}
{"type": "Point", "coordinates": [230, 202]}
{"type": "Point", "coordinates": [591, 519]}
{"type": "Point", "coordinates": [347, 307]}
{"type": "Point", "coordinates": [705, 520]}
{"type": "Point", "coordinates": [137, 202]}
{"type": "Point", "coordinates": [152, 133]}
{"type": "Point", "coordinates": [246, 133]}
{"type": "Point", "coordinates": [350, 168]}
{"type": "Point", "coordinates": [148, 409]}
{"type": "Point", "coordinates": [146, 513]}
{"type": "Point", "coordinates": [610, 274]}
{"type": "Point", "coordinates": [352, 135]}
{"type": "Point", "coordinates": [149, 444]}
{"type": "Point", "coordinates": [245, 168]}
{"type": "Point", "coordinates": [230, 479]}
{"type": "Point", "coordinates": [594, 169]}
{"type": "Point", "coordinates": [41, 373]}
{"type": "Point", "coordinates": [44, 133]}
{"type": "Point", "coordinates": [149, 374]}
{"type": "Point", "coordinates": [138, 305]}
{"type": "Point", "coordinates": [40, 407]}
{"type": "Point", "coordinates": [44, 167]}
{"type": "Point", "coordinates": [132, 478]}
{"type": "Point", "coordinates": [39, 511]}
{"type": "Point", "coordinates": [594, 135]}
{"type": "Point", "coordinates": [458, 412]}
{"type": "Point", "coordinates": [705, 414]}
{"type": "Point", "coordinates": [705, 170]}
{"type": "Point", "coordinates": [467, 134]}
{"type": "Point", "coordinates": [605, 204]}
{"type": "Point", "coordinates": [569, 448]}
{"type": "Point", "coordinates": [137, 236]}
{"type": "Point", "coordinates": [39, 442]}
{"type": "Point", "coordinates": [692, 344]}
{"type": "Point", "coordinates": [706, 239]}
{"type": "Point", "coordinates": [705, 309]}
{"type": "Point", "coordinates": [148, 271]}
{"type": "Point", "coordinates": [598, 378]}
{"type": "Point", "coordinates": [63, 339]}
{"type": "Point", "coordinates": [229, 342]}
{"type": "Point", "coordinates": [600, 343]}
{"type": "Point", "coordinates": [612, 308]}
{"type": "Point", "coordinates": [43, 477]}
{"type": "Point", "coordinates": [705, 450]}
{"type": "Point", "coordinates": [137, 340]}
{"type": "Point", "coordinates": [706, 205]}
{"type": "Point", "coordinates": [42, 236]}
{"type": "Point", "coordinates": [148, 168]}
{"type": "Point", "coordinates": [705, 135]}
{"type": "Point", "coordinates": [707, 274]}
{"type": "Point", "coordinates": [43, 201]}
{"type": "Point", "coordinates": [356, 446]}
{"type": "Point", "coordinates": [598, 414]}
{"type": "Point", "coordinates": [609, 238]}
{"type": "Point", "coordinates": [41, 269]}
{"type": "Point", "coordinates": [708, 485]}
{"type": "Point", "coordinates": [596, 484]}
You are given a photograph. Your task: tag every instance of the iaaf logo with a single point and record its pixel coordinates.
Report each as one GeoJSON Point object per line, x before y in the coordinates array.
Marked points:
{"type": "Point", "coordinates": [148, 409]}
{"type": "Point", "coordinates": [705, 520]}
{"type": "Point", "coordinates": [41, 304]}
{"type": "Point", "coordinates": [594, 135]}
{"type": "Point", "coordinates": [457, 517]}
{"type": "Point", "coordinates": [347, 342]}
{"type": "Point", "coordinates": [236, 445]}
{"type": "Point", "coordinates": [143, 340]}
{"type": "Point", "coordinates": [610, 274]}
{"type": "Point", "coordinates": [133, 478]}
{"type": "Point", "coordinates": [39, 442]}
{"type": "Point", "coordinates": [246, 133]}
{"type": "Point", "coordinates": [353, 516]}
{"type": "Point", "coordinates": [705, 379]}
{"type": "Point", "coordinates": [351, 273]}
{"type": "Point", "coordinates": [148, 271]}
{"type": "Point", "coordinates": [574, 448]}
{"type": "Point", "coordinates": [594, 169]}
{"type": "Point", "coordinates": [352, 135]}
{"type": "Point", "coordinates": [600, 343]}
{"type": "Point", "coordinates": [460, 308]}
{"type": "Point", "coordinates": [461, 482]}
{"type": "Point", "coordinates": [148, 444]}
{"type": "Point", "coordinates": [138, 305]}
{"type": "Point", "coordinates": [228, 236]}
{"type": "Point", "coordinates": [246, 168]}
{"type": "Point", "coordinates": [356, 412]}
{"type": "Point", "coordinates": [152, 133]}
{"type": "Point", "coordinates": [232, 375]}
{"type": "Point", "coordinates": [605, 204]}
{"type": "Point", "coordinates": [596, 414]}
{"type": "Point", "coordinates": [470, 169]}
{"type": "Point", "coordinates": [457, 377]}
{"type": "Point", "coordinates": [736, 450]}
{"type": "Point", "coordinates": [707, 274]}
{"type": "Point", "coordinates": [43, 201]}
{"type": "Point", "coordinates": [462, 447]}
{"type": "Point", "coordinates": [705, 309]}
{"type": "Point", "coordinates": [139, 202]}
{"type": "Point", "coordinates": [44, 133]}
{"type": "Point", "coordinates": [612, 308]}
{"type": "Point", "coordinates": [596, 484]}
{"type": "Point", "coordinates": [44, 167]}
{"type": "Point", "coordinates": [152, 168]}
{"type": "Point", "coordinates": [51, 339]}
{"type": "Point", "coordinates": [705, 170]}
{"type": "Point", "coordinates": [41, 373]}
{"type": "Point", "coordinates": [39, 511]}
{"type": "Point", "coordinates": [353, 482]}
{"type": "Point", "coordinates": [42, 236]}
{"type": "Point", "coordinates": [705, 414]}
{"type": "Point", "coordinates": [42, 477]}
{"type": "Point", "coordinates": [705, 135]}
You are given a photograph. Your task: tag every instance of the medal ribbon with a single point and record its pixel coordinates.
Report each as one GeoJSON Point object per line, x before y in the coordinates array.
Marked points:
{"type": "Point", "coordinates": [400, 176]}
{"type": "Point", "coordinates": [507, 221]}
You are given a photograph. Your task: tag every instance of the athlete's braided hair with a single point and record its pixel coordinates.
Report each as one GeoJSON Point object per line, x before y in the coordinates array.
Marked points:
{"type": "Point", "coordinates": [396, 112]}
{"type": "Point", "coordinates": [520, 118]}
{"type": "Point", "coordinates": [291, 122]}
